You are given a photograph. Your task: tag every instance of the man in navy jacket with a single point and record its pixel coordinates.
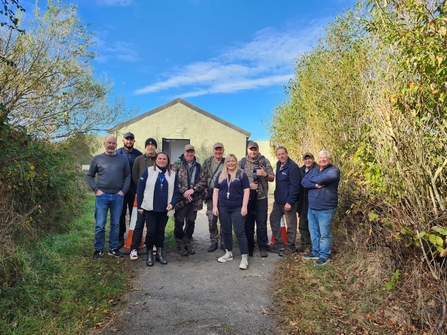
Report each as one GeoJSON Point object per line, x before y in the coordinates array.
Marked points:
{"type": "Point", "coordinates": [322, 183]}
{"type": "Point", "coordinates": [288, 177]}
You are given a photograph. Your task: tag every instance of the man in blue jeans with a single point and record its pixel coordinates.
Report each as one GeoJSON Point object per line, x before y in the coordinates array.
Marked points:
{"type": "Point", "coordinates": [112, 173]}
{"type": "Point", "coordinates": [322, 183]}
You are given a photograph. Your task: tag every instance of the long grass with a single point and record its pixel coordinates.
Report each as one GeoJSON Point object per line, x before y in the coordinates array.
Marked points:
{"type": "Point", "coordinates": [63, 290]}
{"type": "Point", "coordinates": [346, 296]}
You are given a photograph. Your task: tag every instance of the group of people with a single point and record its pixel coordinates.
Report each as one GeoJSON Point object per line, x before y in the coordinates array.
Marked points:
{"type": "Point", "coordinates": [234, 191]}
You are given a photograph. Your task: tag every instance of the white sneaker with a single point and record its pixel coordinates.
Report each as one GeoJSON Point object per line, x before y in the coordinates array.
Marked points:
{"type": "Point", "coordinates": [225, 258]}
{"type": "Point", "coordinates": [134, 255]}
{"type": "Point", "coordinates": [244, 263]}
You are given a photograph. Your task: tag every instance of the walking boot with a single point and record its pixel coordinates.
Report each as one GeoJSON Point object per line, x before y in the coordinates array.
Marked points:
{"type": "Point", "coordinates": [181, 247]}
{"type": "Point", "coordinates": [212, 247]}
{"type": "Point", "coordinates": [150, 257]}
{"type": "Point", "coordinates": [159, 256]}
{"type": "Point", "coordinates": [188, 246]}
{"type": "Point", "coordinates": [244, 262]}
{"type": "Point", "coordinates": [225, 258]}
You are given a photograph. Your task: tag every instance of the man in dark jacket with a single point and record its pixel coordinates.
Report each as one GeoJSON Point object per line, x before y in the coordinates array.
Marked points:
{"type": "Point", "coordinates": [192, 183]}
{"type": "Point", "coordinates": [288, 180]}
{"type": "Point", "coordinates": [131, 154]}
{"type": "Point", "coordinates": [303, 204]}
{"type": "Point", "coordinates": [322, 183]}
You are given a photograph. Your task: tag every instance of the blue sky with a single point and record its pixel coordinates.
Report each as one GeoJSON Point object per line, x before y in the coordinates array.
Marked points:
{"type": "Point", "coordinates": [231, 58]}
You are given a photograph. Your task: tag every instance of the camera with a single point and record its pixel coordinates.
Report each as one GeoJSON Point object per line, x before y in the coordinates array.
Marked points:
{"type": "Point", "coordinates": [255, 176]}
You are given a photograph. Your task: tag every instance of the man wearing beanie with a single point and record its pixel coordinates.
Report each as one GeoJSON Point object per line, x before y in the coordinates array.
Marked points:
{"type": "Point", "coordinates": [144, 161]}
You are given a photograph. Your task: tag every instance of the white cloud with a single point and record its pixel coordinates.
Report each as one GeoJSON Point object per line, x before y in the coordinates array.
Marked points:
{"type": "Point", "coordinates": [267, 60]}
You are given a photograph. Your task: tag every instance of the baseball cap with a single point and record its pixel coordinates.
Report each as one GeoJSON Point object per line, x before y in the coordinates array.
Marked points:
{"type": "Point", "coordinates": [253, 145]}
{"type": "Point", "coordinates": [218, 145]}
{"type": "Point", "coordinates": [189, 147]}
{"type": "Point", "coordinates": [129, 135]}
{"type": "Point", "coordinates": [308, 154]}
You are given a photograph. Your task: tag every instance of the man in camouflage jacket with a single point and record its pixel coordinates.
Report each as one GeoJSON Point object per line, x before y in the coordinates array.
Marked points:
{"type": "Point", "coordinates": [192, 183]}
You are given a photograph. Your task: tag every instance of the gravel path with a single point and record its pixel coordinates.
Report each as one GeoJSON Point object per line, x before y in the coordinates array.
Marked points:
{"type": "Point", "coordinates": [198, 295]}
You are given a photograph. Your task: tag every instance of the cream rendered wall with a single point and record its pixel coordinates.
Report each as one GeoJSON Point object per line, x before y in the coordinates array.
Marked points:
{"type": "Point", "coordinates": [181, 122]}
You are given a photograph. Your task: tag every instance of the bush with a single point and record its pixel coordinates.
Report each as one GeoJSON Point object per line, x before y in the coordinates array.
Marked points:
{"type": "Point", "coordinates": [40, 186]}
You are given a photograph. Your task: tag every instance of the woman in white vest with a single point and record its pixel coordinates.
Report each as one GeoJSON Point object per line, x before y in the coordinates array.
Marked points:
{"type": "Point", "coordinates": [157, 195]}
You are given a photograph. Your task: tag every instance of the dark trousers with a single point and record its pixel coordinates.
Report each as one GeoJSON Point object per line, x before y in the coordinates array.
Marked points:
{"type": "Point", "coordinates": [128, 201]}
{"type": "Point", "coordinates": [138, 231]}
{"type": "Point", "coordinates": [182, 228]}
{"type": "Point", "coordinates": [231, 218]}
{"type": "Point", "coordinates": [303, 227]}
{"type": "Point", "coordinates": [257, 214]}
{"type": "Point", "coordinates": [155, 228]}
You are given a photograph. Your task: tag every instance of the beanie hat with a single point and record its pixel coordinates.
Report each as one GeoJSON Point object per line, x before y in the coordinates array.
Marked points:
{"type": "Point", "coordinates": [150, 141]}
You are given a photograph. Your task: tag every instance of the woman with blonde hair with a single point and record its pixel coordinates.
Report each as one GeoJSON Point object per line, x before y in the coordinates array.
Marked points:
{"type": "Point", "coordinates": [230, 200]}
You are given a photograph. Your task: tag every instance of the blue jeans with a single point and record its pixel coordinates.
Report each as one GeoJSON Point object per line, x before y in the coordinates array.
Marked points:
{"type": "Point", "coordinates": [103, 203]}
{"type": "Point", "coordinates": [320, 227]}
{"type": "Point", "coordinates": [230, 217]}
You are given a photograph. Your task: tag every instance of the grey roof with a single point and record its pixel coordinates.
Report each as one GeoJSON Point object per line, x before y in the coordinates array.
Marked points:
{"type": "Point", "coordinates": [187, 104]}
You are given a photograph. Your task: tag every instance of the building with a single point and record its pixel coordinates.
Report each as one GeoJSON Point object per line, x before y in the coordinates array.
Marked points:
{"type": "Point", "coordinates": [177, 123]}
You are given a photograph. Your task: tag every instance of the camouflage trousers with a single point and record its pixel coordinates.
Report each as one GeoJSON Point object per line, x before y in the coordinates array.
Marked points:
{"type": "Point", "coordinates": [212, 223]}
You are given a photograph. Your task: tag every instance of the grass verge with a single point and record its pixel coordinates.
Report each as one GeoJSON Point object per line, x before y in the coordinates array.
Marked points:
{"type": "Point", "coordinates": [346, 296]}
{"type": "Point", "coordinates": [64, 291]}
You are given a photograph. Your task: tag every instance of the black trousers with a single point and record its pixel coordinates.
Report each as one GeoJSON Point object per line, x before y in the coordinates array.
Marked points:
{"type": "Point", "coordinates": [257, 214]}
{"type": "Point", "coordinates": [129, 198]}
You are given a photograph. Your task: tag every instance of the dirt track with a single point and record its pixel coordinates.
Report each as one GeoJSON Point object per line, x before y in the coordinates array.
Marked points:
{"type": "Point", "coordinates": [198, 295]}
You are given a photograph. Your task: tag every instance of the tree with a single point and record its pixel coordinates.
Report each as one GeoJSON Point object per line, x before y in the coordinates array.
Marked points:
{"type": "Point", "coordinates": [11, 20]}
{"type": "Point", "coordinates": [51, 90]}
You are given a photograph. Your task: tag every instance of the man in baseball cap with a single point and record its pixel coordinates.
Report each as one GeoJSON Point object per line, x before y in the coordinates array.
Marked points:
{"type": "Point", "coordinates": [192, 183]}
{"type": "Point", "coordinates": [211, 167]}
{"type": "Point", "coordinates": [131, 154]}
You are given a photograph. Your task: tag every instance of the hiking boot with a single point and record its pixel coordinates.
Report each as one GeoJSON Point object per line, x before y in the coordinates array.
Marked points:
{"type": "Point", "coordinates": [311, 256]}
{"type": "Point", "coordinates": [225, 258]}
{"type": "Point", "coordinates": [133, 255]}
{"type": "Point", "coordinates": [98, 254]}
{"type": "Point", "coordinates": [321, 261]}
{"type": "Point", "coordinates": [115, 253]}
{"type": "Point", "coordinates": [264, 253]}
{"type": "Point", "coordinates": [212, 247]}
{"type": "Point", "coordinates": [244, 263]}
{"type": "Point", "coordinates": [188, 246]}
{"type": "Point", "coordinates": [181, 247]}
